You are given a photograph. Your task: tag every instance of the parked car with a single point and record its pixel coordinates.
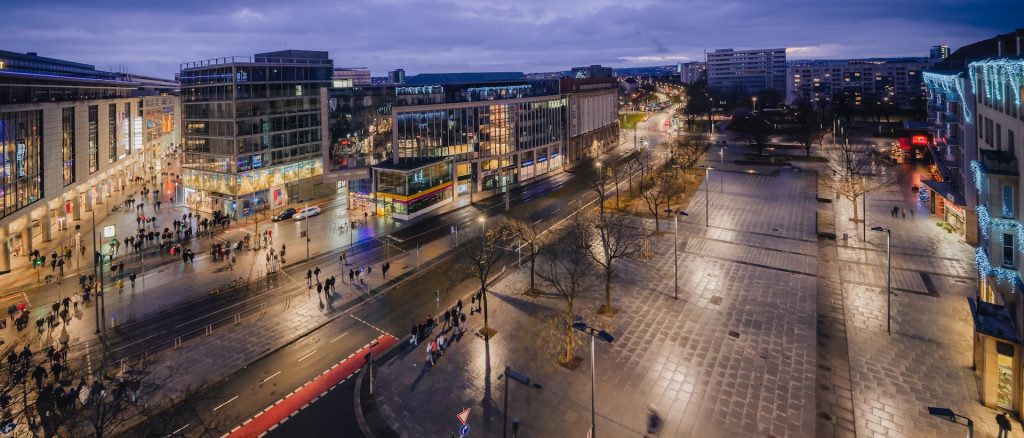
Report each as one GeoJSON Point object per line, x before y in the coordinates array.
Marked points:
{"type": "Point", "coordinates": [286, 214]}
{"type": "Point", "coordinates": [307, 212]}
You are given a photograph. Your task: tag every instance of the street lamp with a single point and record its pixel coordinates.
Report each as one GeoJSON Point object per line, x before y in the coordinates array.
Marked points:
{"type": "Point", "coordinates": [305, 212]}
{"type": "Point", "coordinates": [888, 276]}
{"type": "Point", "coordinates": [753, 101]}
{"type": "Point", "coordinates": [521, 378]}
{"type": "Point", "coordinates": [952, 416]}
{"type": "Point", "coordinates": [675, 244]}
{"type": "Point", "coordinates": [594, 333]}
{"type": "Point", "coordinates": [707, 197]}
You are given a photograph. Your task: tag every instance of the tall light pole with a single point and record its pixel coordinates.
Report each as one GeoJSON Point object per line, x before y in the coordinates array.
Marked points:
{"type": "Point", "coordinates": [593, 333]}
{"type": "Point", "coordinates": [521, 378]}
{"type": "Point", "coordinates": [305, 218]}
{"type": "Point", "coordinates": [675, 244]}
{"type": "Point", "coordinates": [707, 196]}
{"type": "Point", "coordinates": [864, 205]}
{"type": "Point", "coordinates": [888, 276]}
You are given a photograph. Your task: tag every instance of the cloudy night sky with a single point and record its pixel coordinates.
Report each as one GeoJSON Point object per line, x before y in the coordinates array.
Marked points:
{"type": "Point", "coordinates": [153, 37]}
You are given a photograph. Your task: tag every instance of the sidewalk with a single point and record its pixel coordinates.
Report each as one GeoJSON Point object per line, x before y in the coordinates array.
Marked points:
{"type": "Point", "coordinates": [734, 356]}
{"type": "Point", "coordinates": [927, 359]}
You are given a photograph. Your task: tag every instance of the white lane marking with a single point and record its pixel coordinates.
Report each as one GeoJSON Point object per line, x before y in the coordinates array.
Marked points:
{"type": "Point", "coordinates": [179, 429]}
{"type": "Point", "coordinates": [271, 377]}
{"type": "Point", "coordinates": [308, 355]}
{"type": "Point", "coordinates": [222, 404]}
{"type": "Point", "coordinates": [339, 337]}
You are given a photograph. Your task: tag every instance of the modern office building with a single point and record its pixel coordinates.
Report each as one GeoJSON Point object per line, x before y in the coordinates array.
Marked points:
{"type": "Point", "coordinates": [351, 77]}
{"type": "Point", "coordinates": [396, 76]}
{"type": "Point", "coordinates": [938, 53]}
{"type": "Point", "coordinates": [747, 70]}
{"type": "Point", "coordinates": [71, 137]}
{"type": "Point", "coordinates": [690, 72]}
{"type": "Point", "coordinates": [449, 138]}
{"type": "Point", "coordinates": [591, 71]}
{"type": "Point", "coordinates": [892, 82]}
{"type": "Point", "coordinates": [254, 130]}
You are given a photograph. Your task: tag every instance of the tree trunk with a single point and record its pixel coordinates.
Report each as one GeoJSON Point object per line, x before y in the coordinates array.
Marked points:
{"type": "Point", "coordinates": [855, 215]}
{"type": "Point", "coordinates": [483, 289]}
{"type": "Point", "coordinates": [608, 286]}
{"type": "Point", "coordinates": [533, 271]}
{"type": "Point", "coordinates": [568, 336]}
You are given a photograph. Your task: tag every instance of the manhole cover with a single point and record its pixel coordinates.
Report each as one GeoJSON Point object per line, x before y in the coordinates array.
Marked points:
{"type": "Point", "coordinates": [716, 300]}
{"type": "Point", "coordinates": [734, 334]}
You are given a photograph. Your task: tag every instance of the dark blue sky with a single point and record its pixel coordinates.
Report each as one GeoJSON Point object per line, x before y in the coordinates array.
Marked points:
{"type": "Point", "coordinates": [153, 37]}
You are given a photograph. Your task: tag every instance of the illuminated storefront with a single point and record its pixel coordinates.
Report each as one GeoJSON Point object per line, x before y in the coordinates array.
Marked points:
{"type": "Point", "coordinates": [997, 359]}
{"type": "Point", "coordinates": [416, 189]}
{"type": "Point", "coordinates": [208, 191]}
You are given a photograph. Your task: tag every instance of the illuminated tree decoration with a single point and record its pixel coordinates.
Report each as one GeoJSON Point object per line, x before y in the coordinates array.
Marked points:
{"type": "Point", "coordinates": [949, 83]}
{"type": "Point", "coordinates": [983, 220]}
{"type": "Point", "coordinates": [997, 72]}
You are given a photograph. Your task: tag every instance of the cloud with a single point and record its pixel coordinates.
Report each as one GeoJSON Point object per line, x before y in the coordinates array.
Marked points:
{"type": "Point", "coordinates": [469, 35]}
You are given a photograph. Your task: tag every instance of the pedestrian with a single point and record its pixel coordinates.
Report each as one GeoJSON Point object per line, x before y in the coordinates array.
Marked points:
{"type": "Point", "coordinates": [38, 375]}
{"type": "Point", "coordinates": [903, 212]}
{"type": "Point", "coordinates": [120, 286]}
{"type": "Point", "coordinates": [911, 213]}
{"type": "Point", "coordinates": [447, 319]}
{"type": "Point", "coordinates": [132, 277]}
{"type": "Point", "coordinates": [309, 278]}
{"type": "Point", "coordinates": [412, 340]}
{"type": "Point", "coordinates": [316, 272]}
{"type": "Point", "coordinates": [319, 288]}
{"type": "Point", "coordinates": [1004, 425]}
{"type": "Point", "coordinates": [430, 353]}
{"type": "Point", "coordinates": [333, 287]}
{"type": "Point", "coordinates": [351, 276]}
{"type": "Point", "coordinates": [440, 343]}
{"type": "Point", "coordinates": [66, 302]}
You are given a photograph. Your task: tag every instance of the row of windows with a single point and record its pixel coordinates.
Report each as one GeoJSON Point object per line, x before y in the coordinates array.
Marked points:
{"type": "Point", "coordinates": [1008, 104]}
{"type": "Point", "coordinates": [992, 134]}
{"type": "Point", "coordinates": [33, 91]}
{"type": "Point", "coordinates": [241, 74]}
{"type": "Point", "coordinates": [67, 149]}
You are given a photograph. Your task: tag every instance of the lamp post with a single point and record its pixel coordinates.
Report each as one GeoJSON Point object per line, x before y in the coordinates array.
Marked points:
{"type": "Point", "coordinates": [888, 276]}
{"type": "Point", "coordinates": [707, 196]}
{"type": "Point", "coordinates": [593, 333]}
{"type": "Point", "coordinates": [753, 100]}
{"type": "Point", "coordinates": [864, 205]}
{"type": "Point", "coordinates": [521, 378]}
{"type": "Point", "coordinates": [305, 218]}
{"type": "Point", "coordinates": [675, 244]}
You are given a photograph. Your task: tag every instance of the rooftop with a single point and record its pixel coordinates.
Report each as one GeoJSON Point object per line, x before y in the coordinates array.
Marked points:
{"type": "Point", "coordinates": [462, 78]}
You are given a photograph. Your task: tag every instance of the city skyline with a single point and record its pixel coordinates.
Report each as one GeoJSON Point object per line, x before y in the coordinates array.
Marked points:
{"type": "Point", "coordinates": [531, 36]}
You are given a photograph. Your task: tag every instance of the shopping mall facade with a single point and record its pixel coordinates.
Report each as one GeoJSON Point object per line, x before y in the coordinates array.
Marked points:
{"type": "Point", "coordinates": [71, 138]}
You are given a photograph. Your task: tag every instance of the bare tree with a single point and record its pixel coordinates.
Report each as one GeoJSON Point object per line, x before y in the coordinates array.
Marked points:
{"type": "Point", "coordinates": [617, 236]}
{"type": "Point", "coordinates": [687, 151]}
{"type": "Point", "coordinates": [754, 129]}
{"type": "Point", "coordinates": [566, 266]}
{"type": "Point", "coordinates": [809, 125]}
{"type": "Point", "coordinates": [656, 191]}
{"type": "Point", "coordinates": [855, 172]}
{"type": "Point", "coordinates": [481, 260]}
{"type": "Point", "coordinates": [528, 235]}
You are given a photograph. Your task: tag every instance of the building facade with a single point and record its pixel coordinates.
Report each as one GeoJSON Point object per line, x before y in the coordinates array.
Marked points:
{"type": "Point", "coordinates": [747, 70]}
{"type": "Point", "coordinates": [938, 53]}
{"type": "Point", "coordinates": [351, 77]}
{"type": "Point", "coordinates": [896, 83]}
{"type": "Point", "coordinates": [691, 72]}
{"type": "Point", "coordinates": [591, 71]}
{"type": "Point", "coordinates": [254, 130]}
{"type": "Point", "coordinates": [592, 110]}
{"type": "Point", "coordinates": [71, 137]}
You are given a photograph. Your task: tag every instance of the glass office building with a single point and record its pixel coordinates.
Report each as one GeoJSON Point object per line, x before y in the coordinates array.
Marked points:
{"type": "Point", "coordinates": [253, 128]}
{"type": "Point", "coordinates": [21, 160]}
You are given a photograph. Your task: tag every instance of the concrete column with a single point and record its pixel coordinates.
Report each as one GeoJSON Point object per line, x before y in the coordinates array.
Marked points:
{"type": "Point", "coordinates": [26, 238]}
{"type": "Point", "coordinates": [76, 207]}
{"type": "Point", "coordinates": [47, 225]}
{"type": "Point", "coordinates": [5, 250]}
{"type": "Point", "coordinates": [99, 194]}
{"type": "Point", "coordinates": [78, 204]}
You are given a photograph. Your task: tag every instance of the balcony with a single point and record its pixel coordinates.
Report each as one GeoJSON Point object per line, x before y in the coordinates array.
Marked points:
{"type": "Point", "coordinates": [998, 162]}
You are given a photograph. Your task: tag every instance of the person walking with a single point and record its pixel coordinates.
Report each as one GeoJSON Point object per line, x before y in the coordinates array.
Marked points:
{"type": "Point", "coordinates": [316, 272]}
{"type": "Point", "coordinates": [309, 278]}
{"type": "Point", "coordinates": [1004, 425]}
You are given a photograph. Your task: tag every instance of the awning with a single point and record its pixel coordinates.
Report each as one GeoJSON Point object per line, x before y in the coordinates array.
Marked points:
{"type": "Point", "coordinates": [993, 320]}
{"type": "Point", "coordinates": [947, 191]}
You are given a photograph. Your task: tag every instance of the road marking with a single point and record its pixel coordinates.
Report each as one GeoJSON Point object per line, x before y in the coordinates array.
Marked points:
{"type": "Point", "coordinates": [308, 355]}
{"type": "Point", "coordinates": [339, 337]}
{"type": "Point", "coordinates": [271, 377]}
{"type": "Point", "coordinates": [179, 429]}
{"type": "Point", "coordinates": [222, 404]}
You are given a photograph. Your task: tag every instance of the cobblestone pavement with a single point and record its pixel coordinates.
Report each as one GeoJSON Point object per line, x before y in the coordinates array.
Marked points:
{"type": "Point", "coordinates": [734, 356]}
{"type": "Point", "coordinates": [927, 359]}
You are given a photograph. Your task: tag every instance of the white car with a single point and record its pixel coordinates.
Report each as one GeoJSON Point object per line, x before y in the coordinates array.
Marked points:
{"type": "Point", "coordinates": [307, 213]}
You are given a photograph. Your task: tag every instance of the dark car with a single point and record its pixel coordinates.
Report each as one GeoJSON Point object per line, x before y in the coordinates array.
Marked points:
{"type": "Point", "coordinates": [286, 214]}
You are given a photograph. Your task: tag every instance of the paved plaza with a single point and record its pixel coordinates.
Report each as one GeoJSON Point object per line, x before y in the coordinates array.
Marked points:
{"type": "Point", "coordinates": [734, 356]}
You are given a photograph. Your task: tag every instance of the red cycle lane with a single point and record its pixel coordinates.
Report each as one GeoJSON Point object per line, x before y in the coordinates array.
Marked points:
{"type": "Point", "coordinates": [285, 407]}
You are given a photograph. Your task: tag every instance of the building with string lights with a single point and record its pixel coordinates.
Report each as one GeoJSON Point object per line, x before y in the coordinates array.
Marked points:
{"type": "Point", "coordinates": [981, 124]}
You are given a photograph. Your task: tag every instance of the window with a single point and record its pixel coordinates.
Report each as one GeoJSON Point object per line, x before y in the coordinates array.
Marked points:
{"type": "Point", "coordinates": [1008, 250]}
{"type": "Point", "coordinates": [21, 170]}
{"type": "Point", "coordinates": [94, 139]}
{"type": "Point", "coordinates": [111, 133]}
{"type": "Point", "coordinates": [68, 144]}
{"type": "Point", "coordinates": [1007, 201]}
{"type": "Point", "coordinates": [999, 137]}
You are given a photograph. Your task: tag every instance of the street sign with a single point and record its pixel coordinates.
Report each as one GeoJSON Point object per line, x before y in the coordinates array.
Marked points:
{"type": "Point", "coordinates": [463, 416]}
{"type": "Point", "coordinates": [108, 231]}
{"type": "Point", "coordinates": [464, 430]}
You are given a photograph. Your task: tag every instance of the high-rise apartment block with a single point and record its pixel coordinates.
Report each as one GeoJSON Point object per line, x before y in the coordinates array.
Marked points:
{"type": "Point", "coordinates": [747, 70]}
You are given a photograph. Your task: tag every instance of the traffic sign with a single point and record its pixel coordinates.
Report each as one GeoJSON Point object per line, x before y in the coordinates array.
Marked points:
{"type": "Point", "coordinates": [463, 416]}
{"type": "Point", "coordinates": [464, 430]}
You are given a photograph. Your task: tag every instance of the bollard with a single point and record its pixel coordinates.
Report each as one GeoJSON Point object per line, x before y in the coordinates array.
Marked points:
{"type": "Point", "coordinates": [238, 318]}
{"type": "Point", "coordinates": [177, 342]}
{"type": "Point", "coordinates": [209, 330]}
